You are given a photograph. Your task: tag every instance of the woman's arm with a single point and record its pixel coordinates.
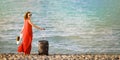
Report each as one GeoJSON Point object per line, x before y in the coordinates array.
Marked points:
{"type": "Point", "coordinates": [22, 29]}
{"type": "Point", "coordinates": [35, 25]}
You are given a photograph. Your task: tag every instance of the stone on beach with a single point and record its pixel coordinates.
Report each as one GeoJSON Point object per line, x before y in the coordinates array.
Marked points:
{"type": "Point", "coordinates": [12, 56]}
{"type": "Point", "coordinates": [43, 47]}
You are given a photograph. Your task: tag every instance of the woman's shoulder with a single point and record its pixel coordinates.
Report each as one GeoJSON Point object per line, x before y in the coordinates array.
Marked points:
{"type": "Point", "coordinates": [27, 19]}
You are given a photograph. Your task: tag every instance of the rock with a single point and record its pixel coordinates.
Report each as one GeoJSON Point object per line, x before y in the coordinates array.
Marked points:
{"type": "Point", "coordinates": [43, 47]}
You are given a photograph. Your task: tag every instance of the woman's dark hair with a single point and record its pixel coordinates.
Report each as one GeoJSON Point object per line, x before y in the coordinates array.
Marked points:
{"type": "Point", "coordinates": [26, 15]}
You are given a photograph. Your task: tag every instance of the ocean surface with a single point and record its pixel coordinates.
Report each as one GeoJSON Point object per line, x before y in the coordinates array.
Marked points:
{"type": "Point", "coordinates": [72, 26]}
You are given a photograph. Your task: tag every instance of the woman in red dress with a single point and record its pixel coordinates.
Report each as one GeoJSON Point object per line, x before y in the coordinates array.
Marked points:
{"type": "Point", "coordinates": [26, 44]}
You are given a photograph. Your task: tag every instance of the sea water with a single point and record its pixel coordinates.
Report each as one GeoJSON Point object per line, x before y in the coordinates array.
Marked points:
{"type": "Point", "coordinates": [72, 26]}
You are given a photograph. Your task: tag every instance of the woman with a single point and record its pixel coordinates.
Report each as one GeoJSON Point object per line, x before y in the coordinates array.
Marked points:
{"type": "Point", "coordinates": [25, 46]}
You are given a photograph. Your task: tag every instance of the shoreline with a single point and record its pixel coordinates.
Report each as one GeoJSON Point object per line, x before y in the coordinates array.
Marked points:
{"type": "Point", "coordinates": [14, 56]}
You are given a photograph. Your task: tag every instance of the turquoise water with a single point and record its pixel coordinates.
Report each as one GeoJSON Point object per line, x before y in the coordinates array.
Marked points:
{"type": "Point", "coordinates": [72, 26]}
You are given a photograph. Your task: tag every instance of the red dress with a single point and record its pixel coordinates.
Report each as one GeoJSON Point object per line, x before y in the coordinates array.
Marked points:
{"type": "Point", "coordinates": [25, 46]}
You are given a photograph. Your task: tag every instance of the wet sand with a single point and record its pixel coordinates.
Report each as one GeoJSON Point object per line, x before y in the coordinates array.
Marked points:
{"type": "Point", "coordinates": [13, 56]}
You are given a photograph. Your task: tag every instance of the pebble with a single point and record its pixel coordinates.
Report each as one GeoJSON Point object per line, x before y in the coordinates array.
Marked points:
{"type": "Point", "coordinates": [59, 57]}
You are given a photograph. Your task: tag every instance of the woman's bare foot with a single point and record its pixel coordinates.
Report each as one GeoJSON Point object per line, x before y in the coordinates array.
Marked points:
{"type": "Point", "coordinates": [21, 53]}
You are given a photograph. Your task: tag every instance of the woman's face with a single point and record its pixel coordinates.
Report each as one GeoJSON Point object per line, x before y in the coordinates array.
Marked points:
{"type": "Point", "coordinates": [29, 15]}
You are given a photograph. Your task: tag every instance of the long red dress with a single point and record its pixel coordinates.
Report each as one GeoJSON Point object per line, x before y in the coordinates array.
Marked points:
{"type": "Point", "coordinates": [25, 46]}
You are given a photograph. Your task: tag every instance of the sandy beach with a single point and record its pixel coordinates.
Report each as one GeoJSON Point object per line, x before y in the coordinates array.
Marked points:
{"type": "Point", "coordinates": [13, 56]}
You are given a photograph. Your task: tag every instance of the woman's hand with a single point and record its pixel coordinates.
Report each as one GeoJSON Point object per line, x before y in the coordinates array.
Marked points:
{"type": "Point", "coordinates": [42, 29]}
